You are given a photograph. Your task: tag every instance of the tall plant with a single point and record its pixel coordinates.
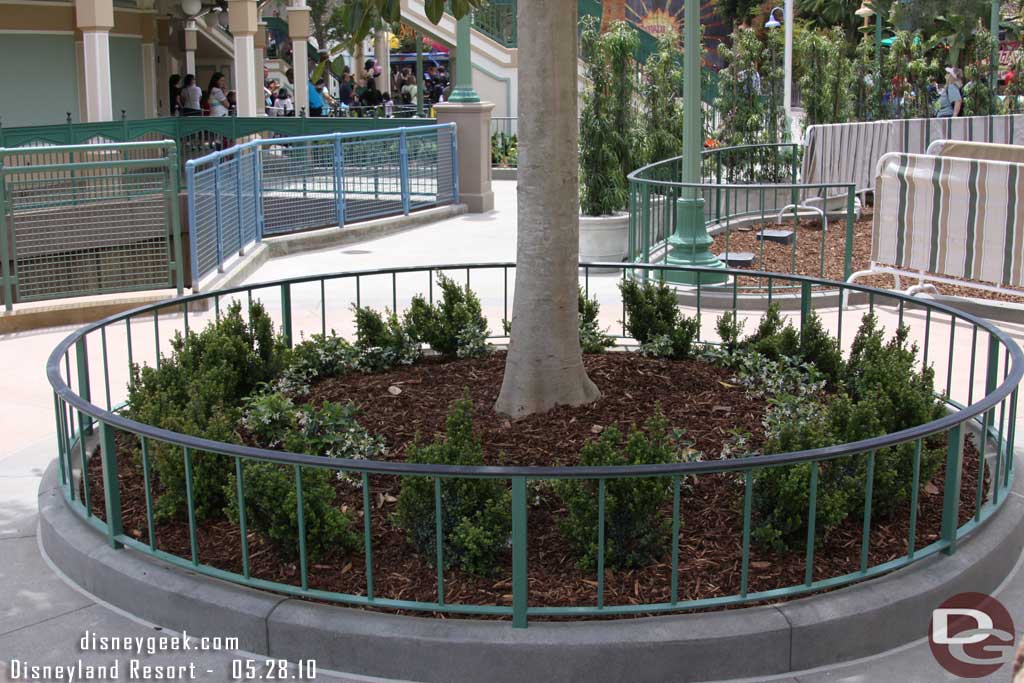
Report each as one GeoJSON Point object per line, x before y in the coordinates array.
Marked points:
{"type": "Point", "coordinates": [608, 147]}
{"type": "Point", "coordinates": [824, 83]}
{"type": "Point", "coordinates": [663, 80]}
{"type": "Point", "coordinates": [911, 65]}
{"type": "Point", "coordinates": [749, 115]}
{"type": "Point", "coordinates": [978, 96]}
{"type": "Point", "coordinates": [866, 82]}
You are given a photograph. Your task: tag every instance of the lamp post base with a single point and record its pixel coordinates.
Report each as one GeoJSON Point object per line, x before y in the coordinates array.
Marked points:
{"type": "Point", "coordinates": [689, 246]}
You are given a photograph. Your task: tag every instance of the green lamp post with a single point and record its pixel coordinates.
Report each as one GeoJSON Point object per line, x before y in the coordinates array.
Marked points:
{"type": "Point", "coordinates": [689, 244]}
{"type": "Point", "coordinates": [463, 91]}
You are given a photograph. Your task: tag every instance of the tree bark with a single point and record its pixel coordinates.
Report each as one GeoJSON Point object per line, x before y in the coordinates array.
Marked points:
{"type": "Point", "coordinates": [612, 11]}
{"type": "Point", "coordinates": [545, 365]}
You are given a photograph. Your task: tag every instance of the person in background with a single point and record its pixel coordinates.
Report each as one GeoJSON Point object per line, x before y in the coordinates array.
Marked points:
{"type": "Point", "coordinates": [951, 99]}
{"type": "Point", "coordinates": [346, 92]}
{"type": "Point", "coordinates": [316, 100]}
{"type": "Point", "coordinates": [191, 97]}
{"type": "Point", "coordinates": [284, 104]}
{"type": "Point", "coordinates": [174, 95]}
{"type": "Point", "coordinates": [329, 102]}
{"type": "Point", "coordinates": [216, 97]}
{"type": "Point", "coordinates": [232, 103]}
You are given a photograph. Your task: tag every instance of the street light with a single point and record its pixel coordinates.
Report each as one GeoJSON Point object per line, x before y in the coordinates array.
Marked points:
{"type": "Point", "coordinates": [191, 7]}
{"type": "Point", "coordinates": [772, 21]}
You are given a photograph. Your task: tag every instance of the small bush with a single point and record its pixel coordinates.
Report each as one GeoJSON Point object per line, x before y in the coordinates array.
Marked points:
{"type": "Point", "coordinates": [382, 342]}
{"type": "Point", "coordinates": [197, 390]}
{"type": "Point", "coordinates": [455, 327]}
{"type": "Point", "coordinates": [592, 338]}
{"type": "Point", "coordinates": [271, 501]}
{"type": "Point", "coordinates": [319, 357]}
{"type": "Point", "coordinates": [475, 513]}
{"type": "Point", "coordinates": [651, 310]}
{"type": "Point", "coordinates": [635, 532]}
{"type": "Point", "coordinates": [729, 327]}
{"type": "Point", "coordinates": [775, 339]}
{"type": "Point", "coordinates": [677, 344]}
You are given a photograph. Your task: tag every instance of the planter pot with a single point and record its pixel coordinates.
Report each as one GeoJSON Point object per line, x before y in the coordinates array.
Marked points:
{"type": "Point", "coordinates": [604, 238]}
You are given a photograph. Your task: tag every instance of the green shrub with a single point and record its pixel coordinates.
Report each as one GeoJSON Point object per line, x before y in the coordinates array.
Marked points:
{"type": "Point", "coordinates": [729, 327]}
{"type": "Point", "coordinates": [197, 390]}
{"type": "Point", "coordinates": [455, 327]}
{"type": "Point", "coordinates": [271, 503]}
{"type": "Point", "coordinates": [777, 339]}
{"type": "Point", "coordinates": [881, 392]}
{"type": "Point", "coordinates": [382, 342]}
{"type": "Point", "coordinates": [592, 338]}
{"type": "Point", "coordinates": [651, 309]}
{"type": "Point", "coordinates": [319, 357]}
{"type": "Point", "coordinates": [635, 532]}
{"type": "Point", "coordinates": [476, 515]}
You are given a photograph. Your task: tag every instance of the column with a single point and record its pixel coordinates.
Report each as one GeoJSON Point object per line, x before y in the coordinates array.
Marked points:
{"type": "Point", "coordinates": [382, 53]}
{"type": "Point", "coordinates": [150, 77]}
{"type": "Point", "coordinates": [261, 52]}
{"type": "Point", "coordinates": [473, 133]}
{"type": "Point", "coordinates": [463, 90]}
{"type": "Point", "coordinates": [165, 65]}
{"type": "Point", "coordinates": [243, 18]}
{"type": "Point", "coordinates": [298, 31]}
{"type": "Point", "coordinates": [191, 44]}
{"type": "Point", "coordinates": [95, 18]}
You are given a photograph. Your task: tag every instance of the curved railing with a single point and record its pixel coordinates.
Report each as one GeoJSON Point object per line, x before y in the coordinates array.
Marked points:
{"type": "Point", "coordinates": [984, 361]}
{"type": "Point", "coordinates": [746, 188]}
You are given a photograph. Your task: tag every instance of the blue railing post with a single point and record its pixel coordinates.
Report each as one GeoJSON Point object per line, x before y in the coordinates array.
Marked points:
{"type": "Point", "coordinates": [258, 191]}
{"type": "Point", "coordinates": [111, 488]}
{"type": "Point", "coordinates": [339, 179]}
{"type": "Point", "coordinates": [82, 363]}
{"type": "Point", "coordinates": [219, 223]}
{"type": "Point", "coordinates": [403, 169]}
{"type": "Point", "coordinates": [237, 161]}
{"type": "Point", "coordinates": [5, 249]}
{"type": "Point", "coordinates": [193, 229]}
{"type": "Point", "coordinates": [455, 162]}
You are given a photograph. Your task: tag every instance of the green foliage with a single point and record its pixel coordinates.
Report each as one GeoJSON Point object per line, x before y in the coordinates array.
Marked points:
{"type": "Point", "coordinates": [909, 61]}
{"type": "Point", "coordinates": [382, 342]}
{"type": "Point", "coordinates": [197, 391]}
{"type": "Point", "coordinates": [775, 340]}
{"type": "Point", "coordinates": [662, 90]}
{"type": "Point", "coordinates": [654, 320]}
{"type": "Point", "coordinates": [635, 532]}
{"type": "Point", "coordinates": [882, 392]}
{"type": "Point", "coordinates": [729, 327]}
{"type": "Point", "coordinates": [608, 136]}
{"type": "Point", "coordinates": [978, 97]}
{"type": "Point", "coordinates": [455, 327]}
{"type": "Point", "coordinates": [865, 84]}
{"type": "Point", "coordinates": [504, 150]}
{"type": "Point", "coordinates": [353, 20]}
{"type": "Point", "coordinates": [272, 420]}
{"type": "Point", "coordinates": [475, 513]}
{"type": "Point", "coordinates": [750, 92]}
{"type": "Point", "coordinates": [319, 357]}
{"type": "Point", "coordinates": [592, 338]}
{"type": "Point", "coordinates": [825, 76]}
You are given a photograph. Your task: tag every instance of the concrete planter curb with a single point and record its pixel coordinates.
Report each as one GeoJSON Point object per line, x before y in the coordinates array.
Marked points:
{"type": "Point", "coordinates": [757, 641]}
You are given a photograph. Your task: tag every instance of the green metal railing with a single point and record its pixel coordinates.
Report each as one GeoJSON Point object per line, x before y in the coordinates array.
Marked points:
{"type": "Point", "coordinates": [195, 136]}
{"type": "Point", "coordinates": [497, 21]}
{"type": "Point", "coordinates": [744, 189]}
{"type": "Point", "coordinates": [85, 377]}
{"type": "Point", "coordinates": [89, 219]}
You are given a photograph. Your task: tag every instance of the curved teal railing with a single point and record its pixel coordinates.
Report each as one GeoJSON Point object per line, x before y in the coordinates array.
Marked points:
{"type": "Point", "coordinates": [86, 400]}
{"type": "Point", "coordinates": [743, 186]}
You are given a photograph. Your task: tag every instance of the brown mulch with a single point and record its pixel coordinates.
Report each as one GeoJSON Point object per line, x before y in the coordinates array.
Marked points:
{"type": "Point", "coordinates": [694, 397]}
{"type": "Point", "coordinates": [779, 258]}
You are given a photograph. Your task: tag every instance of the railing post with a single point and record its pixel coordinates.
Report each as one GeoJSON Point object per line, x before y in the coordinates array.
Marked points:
{"type": "Point", "coordinates": [219, 218]}
{"type": "Point", "coordinates": [339, 179]}
{"type": "Point", "coordinates": [175, 217]}
{"type": "Point", "coordinates": [520, 584]}
{"type": "Point", "coordinates": [286, 313]}
{"type": "Point", "coordinates": [111, 488]}
{"type": "Point", "coordinates": [82, 363]}
{"type": "Point", "coordinates": [193, 229]}
{"type": "Point", "coordinates": [951, 494]}
{"type": "Point", "coordinates": [5, 248]}
{"type": "Point", "coordinates": [238, 201]}
{"type": "Point", "coordinates": [403, 169]}
{"type": "Point", "coordinates": [805, 306]}
{"type": "Point", "coordinates": [258, 192]}
{"type": "Point", "coordinates": [851, 198]}
{"type": "Point", "coordinates": [455, 162]}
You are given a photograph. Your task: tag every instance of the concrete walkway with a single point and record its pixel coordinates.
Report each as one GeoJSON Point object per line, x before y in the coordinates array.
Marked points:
{"type": "Point", "coordinates": [43, 618]}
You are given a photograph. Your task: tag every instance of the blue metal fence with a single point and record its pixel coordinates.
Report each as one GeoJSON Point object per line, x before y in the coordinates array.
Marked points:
{"type": "Point", "coordinates": [284, 185]}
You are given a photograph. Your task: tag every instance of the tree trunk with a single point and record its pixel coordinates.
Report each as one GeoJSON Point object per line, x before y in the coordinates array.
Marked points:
{"type": "Point", "coordinates": [545, 365]}
{"type": "Point", "coordinates": [612, 11]}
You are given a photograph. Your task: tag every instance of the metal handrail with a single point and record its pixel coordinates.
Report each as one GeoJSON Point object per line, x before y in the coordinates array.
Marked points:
{"type": "Point", "coordinates": [1002, 391]}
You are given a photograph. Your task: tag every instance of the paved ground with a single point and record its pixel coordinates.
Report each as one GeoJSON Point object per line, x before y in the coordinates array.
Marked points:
{"type": "Point", "coordinates": [43, 618]}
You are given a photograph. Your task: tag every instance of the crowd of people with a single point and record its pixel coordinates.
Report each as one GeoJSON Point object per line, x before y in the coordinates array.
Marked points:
{"type": "Point", "coordinates": [355, 91]}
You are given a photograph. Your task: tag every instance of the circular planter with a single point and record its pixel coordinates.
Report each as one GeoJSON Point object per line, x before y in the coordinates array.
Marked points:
{"type": "Point", "coordinates": [604, 238]}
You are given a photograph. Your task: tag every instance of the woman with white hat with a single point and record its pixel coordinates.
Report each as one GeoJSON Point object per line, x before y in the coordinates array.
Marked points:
{"type": "Point", "coordinates": [951, 99]}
